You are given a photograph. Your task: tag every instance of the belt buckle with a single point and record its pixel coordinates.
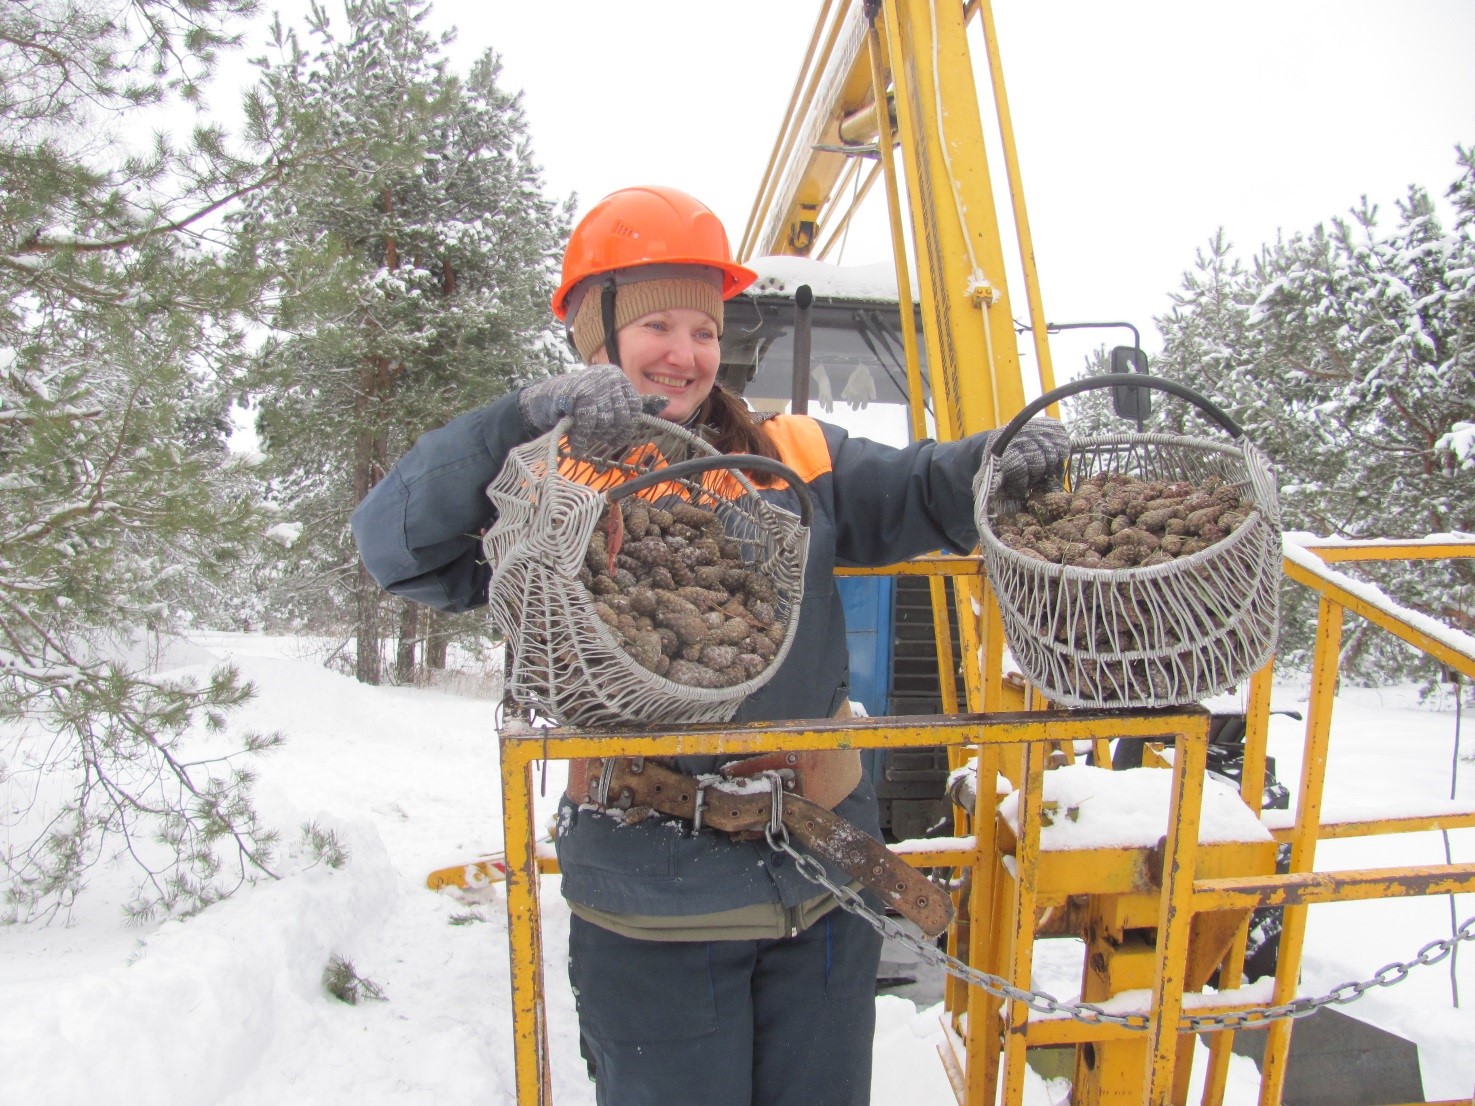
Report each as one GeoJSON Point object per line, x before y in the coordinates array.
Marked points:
{"type": "Point", "coordinates": [698, 808]}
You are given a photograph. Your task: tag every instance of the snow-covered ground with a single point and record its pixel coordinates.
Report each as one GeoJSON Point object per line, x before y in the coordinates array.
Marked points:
{"type": "Point", "coordinates": [228, 1009]}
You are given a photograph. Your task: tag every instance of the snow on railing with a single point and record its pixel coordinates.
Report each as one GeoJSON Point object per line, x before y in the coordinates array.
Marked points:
{"type": "Point", "coordinates": [1335, 811]}
{"type": "Point", "coordinates": [1096, 808]}
{"type": "Point", "coordinates": [1300, 550]}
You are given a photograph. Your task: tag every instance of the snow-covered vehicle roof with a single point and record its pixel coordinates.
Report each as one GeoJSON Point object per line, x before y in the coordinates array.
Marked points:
{"type": "Point", "coordinates": [780, 276]}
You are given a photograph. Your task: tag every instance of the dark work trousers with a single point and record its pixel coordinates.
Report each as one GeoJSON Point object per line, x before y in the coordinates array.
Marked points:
{"type": "Point", "coordinates": [785, 1022]}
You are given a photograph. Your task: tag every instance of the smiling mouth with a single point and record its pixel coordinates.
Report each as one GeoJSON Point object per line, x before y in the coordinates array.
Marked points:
{"type": "Point", "coordinates": [667, 381]}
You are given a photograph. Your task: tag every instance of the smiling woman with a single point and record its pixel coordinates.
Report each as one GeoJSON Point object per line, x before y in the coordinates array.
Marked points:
{"type": "Point", "coordinates": [690, 949]}
{"type": "Point", "coordinates": [653, 267]}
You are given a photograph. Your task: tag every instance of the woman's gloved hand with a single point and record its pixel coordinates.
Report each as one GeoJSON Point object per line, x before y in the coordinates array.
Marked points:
{"type": "Point", "coordinates": [1034, 458]}
{"type": "Point", "coordinates": [1040, 449]}
{"type": "Point", "coordinates": [600, 401]}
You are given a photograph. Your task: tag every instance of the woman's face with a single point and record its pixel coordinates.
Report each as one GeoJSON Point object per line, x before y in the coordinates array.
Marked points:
{"type": "Point", "coordinates": [673, 353]}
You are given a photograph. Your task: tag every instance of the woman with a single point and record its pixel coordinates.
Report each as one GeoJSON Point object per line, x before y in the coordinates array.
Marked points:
{"type": "Point", "coordinates": [706, 969]}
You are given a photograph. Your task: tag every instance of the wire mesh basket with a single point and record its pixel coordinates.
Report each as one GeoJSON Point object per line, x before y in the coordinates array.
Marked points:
{"type": "Point", "coordinates": [1160, 635]}
{"type": "Point", "coordinates": [567, 662]}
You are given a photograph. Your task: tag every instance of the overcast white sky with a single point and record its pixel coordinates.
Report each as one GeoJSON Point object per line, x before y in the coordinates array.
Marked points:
{"type": "Point", "coordinates": [1142, 126]}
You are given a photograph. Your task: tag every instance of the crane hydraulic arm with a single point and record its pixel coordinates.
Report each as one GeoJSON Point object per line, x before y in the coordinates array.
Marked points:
{"type": "Point", "coordinates": [923, 130]}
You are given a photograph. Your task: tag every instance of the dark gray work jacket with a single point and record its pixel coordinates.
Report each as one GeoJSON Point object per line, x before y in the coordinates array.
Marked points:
{"type": "Point", "coordinates": [418, 533]}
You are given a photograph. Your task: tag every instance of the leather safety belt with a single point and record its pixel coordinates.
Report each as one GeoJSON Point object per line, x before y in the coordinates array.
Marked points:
{"type": "Point", "coordinates": [746, 805]}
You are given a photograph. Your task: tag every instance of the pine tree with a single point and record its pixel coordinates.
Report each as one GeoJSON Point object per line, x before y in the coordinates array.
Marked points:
{"type": "Point", "coordinates": [1204, 340]}
{"type": "Point", "coordinates": [1302, 355]}
{"type": "Point", "coordinates": [1455, 448]}
{"type": "Point", "coordinates": [120, 508]}
{"type": "Point", "coordinates": [414, 277]}
{"type": "Point", "coordinates": [1348, 358]}
{"type": "Point", "coordinates": [1091, 414]}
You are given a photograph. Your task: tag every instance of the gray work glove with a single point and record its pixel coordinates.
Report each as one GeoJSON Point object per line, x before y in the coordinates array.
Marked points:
{"type": "Point", "coordinates": [600, 401]}
{"type": "Point", "coordinates": [1035, 458]}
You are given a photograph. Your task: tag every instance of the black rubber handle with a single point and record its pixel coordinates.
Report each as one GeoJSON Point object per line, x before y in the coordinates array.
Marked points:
{"type": "Point", "coordinates": [693, 465]}
{"type": "Point", "coordinates": [802, 342]}
{"type": "Point", "coordinates": [1110, 380]}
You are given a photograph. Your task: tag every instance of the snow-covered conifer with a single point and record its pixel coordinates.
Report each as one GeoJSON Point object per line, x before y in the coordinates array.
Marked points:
{"type": "Point", "coordinates": [120, 509]}
{"type": "Point", "coordinates": [1348, 353]}
{"type": "Point", "coordinates": [413, 274]}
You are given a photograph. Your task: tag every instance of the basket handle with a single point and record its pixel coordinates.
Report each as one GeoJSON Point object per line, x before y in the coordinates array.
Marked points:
{"type": "Point", "coordinates": [1093, 383]}
{"type": "Point", "coordinates": [693, 465]}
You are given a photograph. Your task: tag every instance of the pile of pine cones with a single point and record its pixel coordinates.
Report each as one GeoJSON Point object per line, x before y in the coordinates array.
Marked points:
{"type": "Point", "coordinates": [1115, 521]}
{"type": "Point", "coordinates": [679, 596]}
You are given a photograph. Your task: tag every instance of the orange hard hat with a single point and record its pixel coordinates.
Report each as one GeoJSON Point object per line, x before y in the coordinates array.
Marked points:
{"type": "Point", "coordinates": [648, 226]}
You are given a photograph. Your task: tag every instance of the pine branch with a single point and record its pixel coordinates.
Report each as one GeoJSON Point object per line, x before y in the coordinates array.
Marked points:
{"type": "Point", "coordinates": [12, 417]}
{"type": "Point", "coordinates": [37, 244]}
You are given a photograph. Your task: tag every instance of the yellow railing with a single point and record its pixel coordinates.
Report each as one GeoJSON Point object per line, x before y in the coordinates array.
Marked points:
{"type": "Point", "coordinates": [1307, 565]}
{"type": "Point", "coordinates": [1013, 883]}
{"type": "Point", "coordinates": [1034, 732]}
{"type": "Point", "coordinates": [1296, 890]}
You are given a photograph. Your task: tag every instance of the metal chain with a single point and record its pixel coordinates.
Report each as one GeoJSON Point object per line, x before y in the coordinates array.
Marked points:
{"type": "Point", "coordinates": [812, 870]}
{"type": "Point", "coordinates": [1045, 1003]}
{"type": "Point", "coordinates": [1340, 995]}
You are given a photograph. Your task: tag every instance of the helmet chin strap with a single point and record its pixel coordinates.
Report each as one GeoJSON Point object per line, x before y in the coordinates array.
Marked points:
{"type": "Point", "coordinates": [607, 314]}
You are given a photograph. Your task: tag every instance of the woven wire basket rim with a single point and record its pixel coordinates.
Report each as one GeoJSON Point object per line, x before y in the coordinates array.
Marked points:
{"type": "Point", "coordinates": [579, 597]}
{"type": "Point", "coordinates": [1240, 450]}
{"type": "Point", "coordinates": [1247, 531]}
{"type": "Point", "coordinates": [653, 427]}
{"type": "Point", "coordinates": [1115, 577]}
{"type": "Point", "coordinates": [1261, 526]}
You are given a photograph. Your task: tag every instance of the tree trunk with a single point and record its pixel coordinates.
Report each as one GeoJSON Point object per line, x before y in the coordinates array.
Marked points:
{"type": "Point", "coordinates": [368, 667]}
{"type": "Point", "coordinates": [369, 452]}
{"type": "Point", "coordinates": [409, 634]}
{"type": "Point", "coordinates": [437, 641]}
{"type": "Point", "coordinates": [1356, 645]}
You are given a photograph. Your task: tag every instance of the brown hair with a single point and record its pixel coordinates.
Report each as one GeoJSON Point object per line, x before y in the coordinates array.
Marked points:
{"type": "Point", "coordinates": [729, 427]}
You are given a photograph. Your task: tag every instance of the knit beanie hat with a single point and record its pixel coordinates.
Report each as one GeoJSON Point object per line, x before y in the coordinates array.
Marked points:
{"type": "Point", "coordinates": [635, 300]}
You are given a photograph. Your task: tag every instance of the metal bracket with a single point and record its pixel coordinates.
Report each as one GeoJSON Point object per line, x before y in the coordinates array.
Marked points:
{"type": "Point", "coordinates": [599, 789]}
{"type": "Point", "coordinates": [701, 805]}
{"type": "Point", "coordinates": [775, 832]}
